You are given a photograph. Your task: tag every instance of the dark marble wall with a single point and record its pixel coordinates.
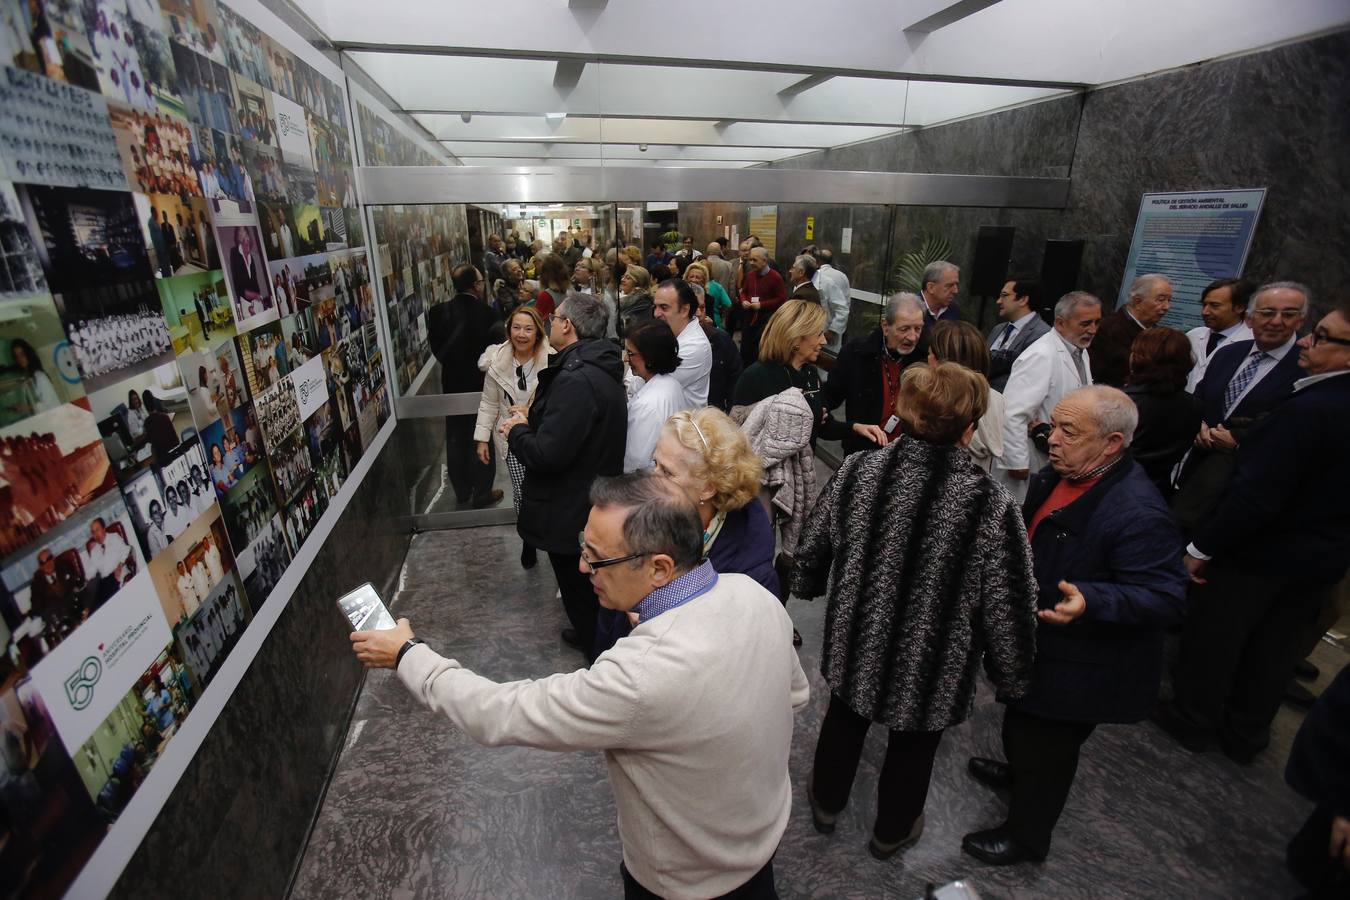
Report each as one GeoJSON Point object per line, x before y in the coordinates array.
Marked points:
{"type": "Point", "coordinates": [1274, 119]}
{"type": "Point", "coordinates": [239, 816]}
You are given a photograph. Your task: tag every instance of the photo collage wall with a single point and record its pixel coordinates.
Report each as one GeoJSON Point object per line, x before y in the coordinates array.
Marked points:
{"type": "Point", "coordinates": [418, 247]}
{"type": "Point", "coordinates": [189, 369]}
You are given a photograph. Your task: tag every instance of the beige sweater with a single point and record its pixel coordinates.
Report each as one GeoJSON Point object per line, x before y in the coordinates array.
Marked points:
{"type": "Point", "coordinates": [693, 711]}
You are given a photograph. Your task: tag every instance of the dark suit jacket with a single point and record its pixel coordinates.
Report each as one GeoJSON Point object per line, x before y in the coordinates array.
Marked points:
{"type": "Point", "coordinates": [1002, 359]}
{"type": "Point", "coordinates": [856, 382]}
{"type": "Point", "coordinates": [1168, 421]}
{"type": "Point", "coordinates": [953, 312]}
{"type": "Point", "coordinates": [1290, 491]}
{"type": "Point", "coordinates": [1110, 349]}
{"type": "Point", "coordinates": [1264, 396]}
{"type": "Point", "coordinates": [806, 292]}
{"type": "Point", "coordinates": [459, 331]}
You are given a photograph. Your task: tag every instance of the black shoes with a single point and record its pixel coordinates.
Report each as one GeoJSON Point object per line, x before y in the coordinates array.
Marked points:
{"type": "Point", "coordinates": [823, 821]}
{"type": "Point", "coordinates": [1187, 734]}
{"type": "Point", "coordinates": [886, 851]}
{"type": "Point", "coordinates": [572, 639]}
{"type": "Point", "coordinates": [1297, 696]}
{"type": "Point", "coordinates": [990, 772]}
{"type": "Point", "coordinates": [997, 847]}
{"type": "Point", "coordinates": [528, 557]}
{"type": "Point", "coordinates": [1306, 670]}
{"type": "Point", "coordinates": [491, 498]}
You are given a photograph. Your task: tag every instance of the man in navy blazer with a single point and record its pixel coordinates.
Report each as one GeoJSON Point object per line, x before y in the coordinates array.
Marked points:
{"type": "Point", "coordinates": [941, 281]}
{"type": "Point", "coordinates": [1269, 557]}
{"type": "Point", "coordinates": [1019, 308]}
{"type": "Point", "coordinates": [1243, 383]}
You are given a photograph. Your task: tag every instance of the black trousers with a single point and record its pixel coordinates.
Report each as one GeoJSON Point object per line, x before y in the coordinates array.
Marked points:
{"type": "Point", "coordinates": [578, 598]}
{"type": "Point", "coordinates": [1309, 858]}
{"type": "Point", "coordinates": [750, 335]}
{"type": "Point", "coordinates": [902, 788]}
{"type": "Point", "coordinates": [1043, 754]}
{"type": "Point", "coordinates": [470, 479]}
{"type": "Point", "coordinates": [1245, 632]}
{"type": "Point", "coordinates": [759, 887]}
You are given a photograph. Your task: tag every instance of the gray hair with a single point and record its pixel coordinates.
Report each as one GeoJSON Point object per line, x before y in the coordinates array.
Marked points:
{"type": "Point", "coordinates": [1071, 301]}
{"type": "Point", "coordinates": [1143, 285]}
{"type": "Point", "coordinates": [760, 251]}
{"type": "Point", "coordinates": [1284, 285]}
{"type": "Point", "coordinates": [807, 264]}
{"type": "Point", "coordinates": [934, 270]}
{"type": "Point", "coordinates": [902, 301]}
{"type": "Point", "coordinates": [587, 313]}
{"type": "Point", "coordinates": [661, 518]}
{"type": "Point", "coordinates": [1112, 410]}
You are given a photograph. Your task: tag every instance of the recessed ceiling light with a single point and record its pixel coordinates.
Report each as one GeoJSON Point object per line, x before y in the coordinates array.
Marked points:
{"type": "Point", "coordinates": [556, 116]}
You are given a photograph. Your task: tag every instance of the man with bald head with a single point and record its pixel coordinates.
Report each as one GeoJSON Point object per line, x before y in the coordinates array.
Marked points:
{"type": "Point", "coordinates": [1149, 299]}
{"type": "Point", "coordinates": [722, 271]}
{"type": "Point", "coordinates": [762, 292]}
{"type": "Point", "coordinates": [1104, 552]}
{"type": "Point", "coordinates": [693, 709]}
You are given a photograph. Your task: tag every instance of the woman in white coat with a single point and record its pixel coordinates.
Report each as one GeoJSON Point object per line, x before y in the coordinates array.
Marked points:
{"type": "Point", "coordinates": [512, 373]}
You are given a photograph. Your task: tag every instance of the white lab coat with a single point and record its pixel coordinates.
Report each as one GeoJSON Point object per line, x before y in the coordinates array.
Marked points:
{"type": "Point", "coordinates": [654, 402]}
{"type": "Point", "coordinates": [835, 294]}
{"type": "Point", "coordinates": [1043, 374]}
{"type": "Point", "coordinates": [1199, 337]}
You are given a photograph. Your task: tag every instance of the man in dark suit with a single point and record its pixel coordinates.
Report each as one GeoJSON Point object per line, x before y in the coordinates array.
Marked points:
{"type": "Point", "coordinates": [941, 281]}
{"type": "Point", "coordinates": [800, 277]}
{"type": "Point", "coordinates": [1147, 301]}
{"type": "Point", "coordinates": [1253, 601]}
{"type": "Point", "coordinates": [1019, 306]}
{"type": "Point", "coordinates": [459, 331]}
{"type": "Point", "coordinates": [866, 378]}
{"type": "Point", "coordinates": [1102, 543]}
{"type": "Point", "coordinates": [1243, 382]}
{"type": "Point", "coordinates": [575, 429]}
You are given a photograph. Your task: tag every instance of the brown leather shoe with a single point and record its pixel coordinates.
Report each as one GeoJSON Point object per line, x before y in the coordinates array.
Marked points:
{"type": "Point", "coordinates": [491, 499]}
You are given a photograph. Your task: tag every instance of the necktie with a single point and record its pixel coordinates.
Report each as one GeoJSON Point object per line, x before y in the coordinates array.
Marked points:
{"type": "Point", "coordinates": [1078, 364]}
{"type": "Point", "coordinates": [1215, 339]}
{"type": "Point", "coordinates": [1006, 336]}
{"type": "Point", "coordinates": [1241, 380]}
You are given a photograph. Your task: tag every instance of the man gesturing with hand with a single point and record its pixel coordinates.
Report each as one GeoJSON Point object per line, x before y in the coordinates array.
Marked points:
{"type": "Point", "coordinates": [1110, 576]}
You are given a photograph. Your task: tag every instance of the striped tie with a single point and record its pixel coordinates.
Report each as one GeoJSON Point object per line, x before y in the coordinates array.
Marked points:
{"type": "Point", "coordinates": [1240, 381]}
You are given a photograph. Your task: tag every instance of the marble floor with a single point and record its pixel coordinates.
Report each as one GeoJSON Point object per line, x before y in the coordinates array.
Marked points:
{"type": "Point", "coordinates": [417, 810]}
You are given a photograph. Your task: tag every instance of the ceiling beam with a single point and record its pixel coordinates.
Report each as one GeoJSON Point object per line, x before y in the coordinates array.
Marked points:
{"type": "Point", "coordinates": [685, 62]}
{"type": "Point", "coordinates": [946, 13]}
{"type": "Point", "coordinates": [805, 84]}
{"type": "Point", "coordinates": [721, 123]}
{"type": "Point", "coordinates": [540, 141]}
{"type": "Point", "coordinates": [568, 73]}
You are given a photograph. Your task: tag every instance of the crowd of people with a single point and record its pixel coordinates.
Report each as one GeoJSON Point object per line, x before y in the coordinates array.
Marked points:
{"type": "Point", "coordinates": [1047, 503]}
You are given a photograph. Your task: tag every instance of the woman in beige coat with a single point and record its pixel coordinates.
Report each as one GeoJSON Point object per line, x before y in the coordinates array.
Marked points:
{"type": "Point", "coordinates": [512, 372]}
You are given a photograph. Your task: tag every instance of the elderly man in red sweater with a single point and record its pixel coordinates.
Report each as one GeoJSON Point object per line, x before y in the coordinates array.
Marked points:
{"type": "Point", "coordinates": [762, 292]}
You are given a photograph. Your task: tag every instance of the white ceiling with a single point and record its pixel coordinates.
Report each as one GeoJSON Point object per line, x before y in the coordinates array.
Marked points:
{"type": "Point", "coordinates": [706, 83]}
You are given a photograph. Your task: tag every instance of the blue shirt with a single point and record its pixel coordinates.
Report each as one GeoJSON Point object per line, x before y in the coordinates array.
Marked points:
{"type": "Point", "coordinates": [698, 580]}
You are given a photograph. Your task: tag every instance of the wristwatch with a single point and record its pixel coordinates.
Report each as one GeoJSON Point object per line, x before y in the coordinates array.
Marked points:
{"type": "Point", "coordinates": [411, 642]}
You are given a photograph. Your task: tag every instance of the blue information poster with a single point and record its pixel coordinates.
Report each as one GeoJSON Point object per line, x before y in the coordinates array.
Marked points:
{"type": "Point", "coordinates": [1193, 238]}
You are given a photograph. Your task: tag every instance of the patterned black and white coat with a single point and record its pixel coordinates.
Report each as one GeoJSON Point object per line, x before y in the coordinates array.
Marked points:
{"type": "Point", "coordinates": [927, 568]}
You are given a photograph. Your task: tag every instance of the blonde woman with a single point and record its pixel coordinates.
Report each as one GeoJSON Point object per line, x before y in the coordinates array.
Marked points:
{"type": "Point", "coordinates": [512, 372]}
{"type": "Point", "coordinates": [718, 299]}
{"type": "Point", "coordinates": [703, 452]}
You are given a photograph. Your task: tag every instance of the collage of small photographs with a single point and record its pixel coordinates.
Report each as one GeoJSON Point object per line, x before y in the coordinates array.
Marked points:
{"type": "Point", "coordinates": [189, 369]}
{"type": "Point", "coordinates": [418, 248]}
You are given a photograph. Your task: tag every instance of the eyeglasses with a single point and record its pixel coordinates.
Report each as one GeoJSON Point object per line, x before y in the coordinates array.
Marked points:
{"type": "Point", "coordinates": [596, 565]}
{"type": "Point", "coordinates": [1320, 336]}
{"type": "Point", "coordinates": [1287, 314]}
{"type": "Point", "coordinates": [520, 376]}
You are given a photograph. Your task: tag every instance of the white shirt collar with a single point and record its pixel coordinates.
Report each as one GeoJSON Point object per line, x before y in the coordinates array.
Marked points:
{"type": "Point", "coordinates": [1021, 323]}
{"type": "Point", "coordinates": [1132, 316]}
{"type": "Point", "coordinates": [1313, 379]}
{"type": "Point", "coordinates": [1233, 329]}
{"type": "Point", "coordinates": [1278, 353]}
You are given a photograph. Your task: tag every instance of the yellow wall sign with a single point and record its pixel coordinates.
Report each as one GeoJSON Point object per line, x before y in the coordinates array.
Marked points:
{"type": "Point", "coordinates": [810, 228]}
